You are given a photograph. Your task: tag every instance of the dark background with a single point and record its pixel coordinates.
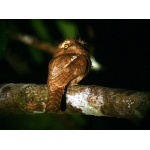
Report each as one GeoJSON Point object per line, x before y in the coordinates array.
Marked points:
{"type": "Point", "coordinates": [120, 46]}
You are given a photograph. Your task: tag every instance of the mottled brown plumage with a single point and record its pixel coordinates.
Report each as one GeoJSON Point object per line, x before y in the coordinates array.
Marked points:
{"type": "Point", "coordinates": [69, 66]}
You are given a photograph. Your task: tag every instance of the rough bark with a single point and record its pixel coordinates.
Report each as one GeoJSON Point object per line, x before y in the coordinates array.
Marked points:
{"type": "Point", "coordinates": [86, 100]}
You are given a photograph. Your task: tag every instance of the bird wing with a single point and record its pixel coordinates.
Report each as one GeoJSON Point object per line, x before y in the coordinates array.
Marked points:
{"type": "Point", "coordinates": [65, 68]}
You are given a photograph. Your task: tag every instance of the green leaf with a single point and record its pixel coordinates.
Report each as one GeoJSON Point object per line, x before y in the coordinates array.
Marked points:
{"type": "Point", "coordinates": [40, 28]}
{"type": "Point", "coordinates": [67, 28]}
{"type": "Point", "coordinates": [3, 37]}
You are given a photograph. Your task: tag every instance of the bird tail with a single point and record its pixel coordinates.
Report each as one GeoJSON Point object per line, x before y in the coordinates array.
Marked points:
{"type": "Point", "coordinates": [54, 100]}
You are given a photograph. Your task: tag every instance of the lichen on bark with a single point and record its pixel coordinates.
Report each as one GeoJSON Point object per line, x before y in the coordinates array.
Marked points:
{"type": "Point", "coordinates": [80, 99]}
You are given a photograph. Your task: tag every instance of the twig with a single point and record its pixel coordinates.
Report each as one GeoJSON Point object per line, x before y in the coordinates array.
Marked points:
{"type": "Point", "coordinates": [86, 100]}
{"type": "Point", "coordinates": [32, 41]}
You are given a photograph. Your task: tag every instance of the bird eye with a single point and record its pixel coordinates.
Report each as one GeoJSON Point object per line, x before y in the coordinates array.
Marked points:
{"type": "Point", "coordinates": [66, 46]}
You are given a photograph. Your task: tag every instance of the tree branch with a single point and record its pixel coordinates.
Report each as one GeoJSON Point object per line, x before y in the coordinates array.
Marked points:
{"type": "Point", "coordinates": [86, 100]}
{"type": "Point", "coordinates": [33, 41]}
